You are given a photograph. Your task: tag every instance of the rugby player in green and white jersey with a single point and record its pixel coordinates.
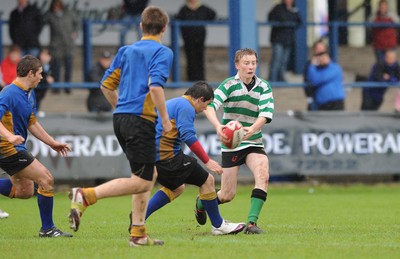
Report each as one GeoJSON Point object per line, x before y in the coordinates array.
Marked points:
{"type": "Point", "coordinates": [247, 99]}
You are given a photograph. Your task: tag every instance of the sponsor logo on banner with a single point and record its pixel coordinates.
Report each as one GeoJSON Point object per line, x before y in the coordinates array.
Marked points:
{"type": "Point", "coordinates": [324, 143]}
{"type": "Point", "coordinates": [82, 146]}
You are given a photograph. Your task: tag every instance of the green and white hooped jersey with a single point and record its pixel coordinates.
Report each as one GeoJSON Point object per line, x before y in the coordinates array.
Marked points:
{"type": "Point", "coordinates": [244, 106]}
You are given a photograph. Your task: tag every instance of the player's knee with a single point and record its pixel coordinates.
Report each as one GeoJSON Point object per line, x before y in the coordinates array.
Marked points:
{"type": "Point", "coordinates": [25, 190]}
{"type": "Point", "coordinates": [139, 185]}
{"type": "Point", "coordinates": [47, 181]}
{"type": "Point", "coordinates": [227, 196]}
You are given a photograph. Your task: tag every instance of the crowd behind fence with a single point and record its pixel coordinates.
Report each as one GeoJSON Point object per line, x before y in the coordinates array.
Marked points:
{"type": "Point", "coordinates": [175, 25]}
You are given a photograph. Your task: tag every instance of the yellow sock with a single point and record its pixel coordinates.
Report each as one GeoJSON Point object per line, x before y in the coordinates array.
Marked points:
{"type": "Point", "coordinates": [90, 195]}
{"type": "Point", "coordinates": [138, 231]}
{"type": "Point", "coordinates": [169, 193]}
{"type": "Point", "coordinates": [45, 193]}
{"type": "Point", "coordinates": [208, 196]}
{"type": "Point", "coordinates": [12, 192]}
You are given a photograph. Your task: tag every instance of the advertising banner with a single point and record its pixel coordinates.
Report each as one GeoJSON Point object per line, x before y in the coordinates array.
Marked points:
{"type": "Point", "coordinates": [296, 143]}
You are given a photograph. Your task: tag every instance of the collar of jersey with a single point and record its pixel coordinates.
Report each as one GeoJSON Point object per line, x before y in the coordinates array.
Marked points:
{"type": "Point", "coordinates": [187, 97]}
{"type": "Point", "coordinates": [256, 77]}
{"type": "Point", "coordinates": [155, 38]}
{"type": "Point", "coordinates": [19, 86]}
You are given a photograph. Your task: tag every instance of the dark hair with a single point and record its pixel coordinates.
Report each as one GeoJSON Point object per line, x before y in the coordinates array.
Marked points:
{"type": "Point", "coordinates": [26, 64]}
{"type": "Point", "coordinates": [201, 89]}
{"type": "Point", "coordinates": [154, 19]}
{"type": "Point", "coordinates": [54, 3]}
{"type": "Point", "coordinates": [243, 52]}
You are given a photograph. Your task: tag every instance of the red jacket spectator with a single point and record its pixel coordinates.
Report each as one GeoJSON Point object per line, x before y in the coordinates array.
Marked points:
{"type": "Point", "coordinates": [383, 38]}
{"type": "Point", "coordinates": [9, 65]}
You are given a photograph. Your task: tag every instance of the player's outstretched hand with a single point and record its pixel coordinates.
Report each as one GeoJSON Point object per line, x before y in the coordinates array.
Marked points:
{"type": "Point", "coordinates": [221, 135]}
{"type": "Point", "coordinates": [214, 166]}
{"type": "Point", "coordinates": [16, 139]}
{"type": "Point", "coordinates": [61, 148]}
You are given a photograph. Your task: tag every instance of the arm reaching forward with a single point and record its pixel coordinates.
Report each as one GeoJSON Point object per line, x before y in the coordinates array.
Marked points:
{"type": "Point", "coordinates": [37, 130]}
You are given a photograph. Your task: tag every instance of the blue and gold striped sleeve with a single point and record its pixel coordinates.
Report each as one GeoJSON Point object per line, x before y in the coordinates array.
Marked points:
{"type": "Point", "coordinates": [112, 77]}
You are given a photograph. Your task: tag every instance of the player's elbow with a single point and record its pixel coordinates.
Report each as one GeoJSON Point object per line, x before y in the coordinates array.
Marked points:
{"type": "Point", "coordinates": [104, 89]}
{"type": "Point", "coordinates": [155, 89]}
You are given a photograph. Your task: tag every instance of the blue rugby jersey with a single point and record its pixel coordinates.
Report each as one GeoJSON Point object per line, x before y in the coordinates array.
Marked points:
{"type": "Point", "coordinates": [136, 67]}
{"type": "Point", "coordinates": [182, 115]}
{"type": "Point", "coordinates": [17, 113]}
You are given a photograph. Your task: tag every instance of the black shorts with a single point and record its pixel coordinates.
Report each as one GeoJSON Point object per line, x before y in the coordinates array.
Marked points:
{"type": "Point", "coordinates": [231, 159]}
{"type": "Point", "coordinates": [137, 137]}
{"type": "Point", "coordinates": [15, 163]}
{"type": "Point", "coordinates": [180, 169]}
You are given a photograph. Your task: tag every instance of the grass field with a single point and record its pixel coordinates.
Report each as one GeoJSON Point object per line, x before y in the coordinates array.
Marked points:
{"type": "Point", "coordinates": [357, 221]}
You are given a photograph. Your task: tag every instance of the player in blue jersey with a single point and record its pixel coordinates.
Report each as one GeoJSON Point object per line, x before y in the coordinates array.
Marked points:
{"type": "Point", "coordinates": [134, 86]}
{"type": "Point", "coordinates": [17, 113]}
{"type": "Point", "coordinates": [176, 169]}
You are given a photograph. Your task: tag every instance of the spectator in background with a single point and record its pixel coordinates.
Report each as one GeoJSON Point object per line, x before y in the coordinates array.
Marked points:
{"type": "Point", "coordinates": [133, 8]}
{"type": "Point", "coordinates": [9, 65]}
{"type": "Point", "coordinates": [64, 27]}
{"type": "Point", "coordinates": [309, 90]}
{"type": "Point", "coordinates": [25, 25]}
{"type": "Point", "coordinates": [194, 37]}
{"type": "Point", "coordinates": [282, 38]}
{"type": "Point", "coordinates": [383, 38]}
{"type": "Point", "coordinates": [43, 86]}
{"type": "Point", "coordinates": [96, 101]}
{"type": "Point", "coordinates": [326, 79]}
{"type": "Point", "coordinates": [388, 71]}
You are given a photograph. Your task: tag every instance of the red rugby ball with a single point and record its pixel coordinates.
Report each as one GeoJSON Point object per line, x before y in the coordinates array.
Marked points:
{"type": "Point", "coordinates": [235, 133]}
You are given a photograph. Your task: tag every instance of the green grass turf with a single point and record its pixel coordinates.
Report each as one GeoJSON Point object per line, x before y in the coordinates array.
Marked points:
{"type": "Point", "coordinates": [357, 221]}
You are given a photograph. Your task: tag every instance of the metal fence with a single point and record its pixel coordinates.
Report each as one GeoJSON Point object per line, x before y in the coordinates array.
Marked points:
{"type": "Point", "coordinates": [175, 25]}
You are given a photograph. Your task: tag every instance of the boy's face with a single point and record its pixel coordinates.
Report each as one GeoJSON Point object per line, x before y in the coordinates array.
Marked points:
{"type": "Point", "coordinates": [200, 105]}
{"type": "Point", "coordinates": [321, 54]}
{"type": "Point", "coordinates": [247, 66]}
{"type": "Point", "coordinates": [35, 77]}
